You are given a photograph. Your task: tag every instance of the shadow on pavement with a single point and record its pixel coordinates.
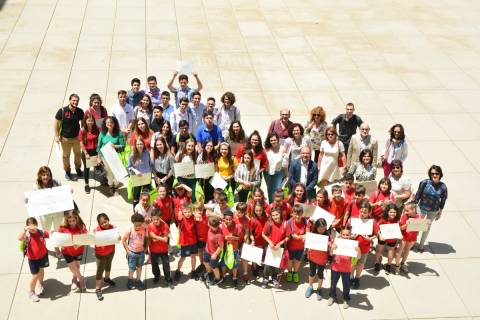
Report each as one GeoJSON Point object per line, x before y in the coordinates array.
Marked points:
{"type": "Point", "coordinates": [441, 248]}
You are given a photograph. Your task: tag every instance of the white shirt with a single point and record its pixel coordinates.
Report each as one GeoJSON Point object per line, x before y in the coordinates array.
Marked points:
{"type": "Point", "coordinates": [303, 172]}
{"type": "Point", "coordinates": [225, 117]}
{"type": "Point", "coordinates": [123, 114]}
{"type": "Point", "coordinates": [276, 161]}
{"type": "Point", "coordinates": [177, 116]}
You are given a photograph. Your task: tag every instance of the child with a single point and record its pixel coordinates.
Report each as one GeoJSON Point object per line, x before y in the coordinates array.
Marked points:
{"type": "Point", "coordinates": [274, 234]}
{"type": "Point", "coordinates": [341, 268]}
{"type": "Point", "coordinates": [348, 187]}
{"type": "Point", "coordinates": [381, 198]}
{"type": "Point", "coordinates": [182, 195]}
{"type": "Point", "coordinates": [353, 208]}
{"type": "Point", "coordinates": [321, 200]}
{"type": "Point", "coordinates": [390, 215]}
{"type": "Point", "coordinates": [232, 233]}
{"type": "Point", "coordinates": [296, 229]}
{"type": "Point", "coordinates": [135, 242]}
{"type": "Point", "coordinates": [257, 223]}
{"type": "Point", "coordinates": [317, 260]}
{"type": "Point", "coordinates": [299, 194]}
{"type": "Point", "coordinates": [213, 251]}
{"type": "Point", "coordinates": [241, 219]}
{"type": "Point", "coordinates": [104, 257]}
{"type": "Point", "coordinates": [188, 240]}
{"type": "Point", "coordinates": [143, 207]}
{"type": "Point", "coordinates": [258, 195]}
{"type": "Point", "coordinates": [201, 230]}
{"type": "Point", "coordinates": [158, 233]}
{"type": "Point", "coordinates": [164, 203]}
{"type": "Point", "coordinates": [278, 201]}
{"type": "Point", "coordinates": [36, 251]}
{"type": "Point", "coordinates": [73, 224]}
{"type": "Point", "coordinates": [216, 194]}
{"type": "Point", "coordinates": [409, 237]}
{"type": "Point", "coordinates": [338, 207]}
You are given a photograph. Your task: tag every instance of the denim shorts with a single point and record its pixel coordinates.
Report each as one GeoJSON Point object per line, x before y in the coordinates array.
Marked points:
{"type": "Point", "coordinates": [207, 257]}
{"type": "Point", "coordinates": [36, 265]}
{"type": "Point", "coordinates": [235, 256]}
{"type": "Point", "coordinates": [187, 251]}
{"type": "Point", "coordinates": [295, 254]}
{"type": "Point", "coordinates": [135, 260]}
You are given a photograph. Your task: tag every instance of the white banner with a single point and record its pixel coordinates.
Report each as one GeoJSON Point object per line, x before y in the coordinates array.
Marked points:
{"type": "Point", "coordinates": [110, 155]}
{"type": "Point", "coordinates": [316, 241]}
{"type": "Point", "coordinates": [49, 200]}
{"type": "Point", "coordinates": [345, 247]}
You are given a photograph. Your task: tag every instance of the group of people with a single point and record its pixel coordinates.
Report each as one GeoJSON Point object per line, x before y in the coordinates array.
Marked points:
{"type": "Point", "coordinates": [299, 163]}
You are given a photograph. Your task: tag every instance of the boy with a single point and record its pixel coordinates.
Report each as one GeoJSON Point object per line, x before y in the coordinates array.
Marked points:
{"type": "Point", "coordinates": [134, 95]}
{"type": "Point", "coordinates": [279, 201]}
{"type": "Point", "coordinates": [349, 187]}
{"type": "Point", "coordinates": [158, 233]}
{"type": "Point", "coordinates": [233, 234]}
{"type": "Point", "coordinates": [187, 241]}
{"type": "Point", "coordinates": [213, 251]}
{"type": "Point", "coordinates": [153, 91]}
{"type": "Point", "coordinates": [123, 112]}
{"type": "Point", "coordinates": [134, 241]}
{"type": "Point", "coordinates": [241, 219]}
{"type": "Point", "coordinates": [184, 91]}
{"type": "Point", "coordinates": [353, 208]}
{"type": "Point", "coordinates": [197, 108]}
{"type": "Point", "coordinates": [167, 107]}
{"type": "Point", "coordinates": [338, 206]}
{"type": "Point", "coordinates": [158, 120]}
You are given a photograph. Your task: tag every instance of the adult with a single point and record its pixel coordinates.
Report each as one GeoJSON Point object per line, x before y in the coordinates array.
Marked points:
{"type": "Point", "coordinates": [157, 120]}
{"type": "Point", "coordinates": [277, 165]}
{"type": "Point", "coordinates": [184, 91]}
{"type": "Point", "coordinates": [247, 176]}
{"type": "Point", "coordinates": [134, 95]}
{"type": "Point", "coordinates": [144, 109]}
{"type": "Point", "coordinates": [141, 130]}
{"type": "Point", "coordinates": [66, 127]}
{"type": "Point", "coordinates": [207, 155]}
{"type": "Point", "coordinates": [236, 136]}
{"type": "Point", "coordinates": [153, 91]}
{"type": "Point", "coordinates": [396, 148]}
{"type": "Point", "coordinates": [364, 169]}
{"type": "Point", "coordinates": [123, 112]}
{"type": "Point", "coordinates": [431, 197]}
{"type": "Point", "coordinates": [88, 137]}
{"type": "Point", "coordinates": [208, 131]}
{"type": "Point", "coordinates": [96, 108]}
{"type": "Point", "coordinates": [348, 123]}
{"type": "Point", "coordinates": [197, 108]}
{"type": "Point", "coordinates": [162, 160]}
{"type": "Point", "coordinates": [401, 186]}
{"type": "Point", "coordinates": [227, 113]}
{"type": "Point", "coordinates": [210, 106]}
{"type": "Point", "coordinates": [281, 126]}
{"type": "Point", "coordinates": [296, 141]}
{"type": "Point", "coordinates": [187, 153]}
{"type": "Point", "coordinates": [139, 162]}
{"type": "Point", "coordinates": [315, 129]}
{"type": "Point", "coordinates": [168, 108]}
{"type": "Point", "coordinates": [254, 143]}
{"type": "Point", "coordinates": [304, 171]}
{"type": "Point", "coordinates": [331, 150]}
{"type": "Point", "coordinates": [181, 137]}
{"type": "Point", "coordinates": [360, 142]}
{"type": "Point", "coordinates": [226, 164]}
{"type": "Point", "coordinates": [183, 112]}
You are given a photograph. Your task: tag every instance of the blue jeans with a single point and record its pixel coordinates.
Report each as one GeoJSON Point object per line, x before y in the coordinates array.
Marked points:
{"type": "Point", "coordinates": [335, 276]}
{"type": "Point", "coordinates": [273, 183]}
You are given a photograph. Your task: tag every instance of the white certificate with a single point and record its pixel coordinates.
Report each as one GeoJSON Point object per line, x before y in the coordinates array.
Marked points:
{"type": "Point", "coordinates": [203, 171]}
{"type": "Point", "coordinates": [273, 257]}
{"type": "Point", "coordinates": [107, 237]}
{"type": "Point", "coordinates": [370, 186]}
{"type": "Point", "coordinates": [99, 123]}
{"type": "Point", "coordinates": [345, 247]}
{"type": "Point", "coordinates": [362, 227]}
{"type": "Point", "coordinates": [183, 169]}
{"type": "Point", "coordinates": [113, 161]}
{"type": "Point", "coordinates": [252, 254]}
{"type": "Point", "coordinates": [316, 241]}
{"type": "Point", "coordinates": [218, 182]}
{"type": "Point", "coordinates": [85, 239]}
{"type": "Point", "coordinates": [49, 200]}
{"type": "Point", "coordinates": [417, 225]}
{"type": "Point", "coordinates": [58, 239]}
{"type": "Point", "coordinates": [322, 213]}
{"type": "Point", "coordinates": [390, 231]}
{"type": "Point", "coordinates": [308, 210]}
{"type": "Point", "coordinates": [58, 149]}
{"type": "Point", "coordinates": [184, 67]}
{"type": "Point", "coordinates": [92, 162]}
{"type": "Point", "coordinates": [141, 179]}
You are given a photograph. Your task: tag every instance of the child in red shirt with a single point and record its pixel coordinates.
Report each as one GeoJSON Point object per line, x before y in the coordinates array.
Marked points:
{"type": "Point", "coordinates": [158, 233]}
{"type": "Point", "coordinates": [298, 195]}
{"type": "Point", "coordinates": [73, 224]}
{"type": "Point", "coordinates": [338, 207]}
{"type": "Point", "coordinates": [409, 237]}
{"type": "Point", "coordinates": [201, 230]}
{"type": "Point", "coordinates": [381, 198]}
{"type": "Point", "coordinates": [321, 200]}
{"type": "Point", "coordinates": [213, 251]}
{"type": "Point", "coordinates": [317, 260]}
{"type": "Point", "coordinates": [187, 240]}
{"type": "Point", "coordinates": [279, 201]}
{"type": "Point", "coordinates": [353, 208]}
{"type": "Point", "coordinates": [164, 203]}
{"type": "Point", "coordinates": [36, 251]}
{"type": "Point", "coordinates": [182, 195]}
{"type": "Point", "coordinates": [232, 233]}
{"type": "Point", "coordinates": [255, 228]}
{"type": "Point", "coordinates": [104, 256]}
{"type": "Point", "coordinates": [391, 215]}
{"type": "Point", "coordinates": [349, 187]}
{"type": "Point", "coordinates": [258, 195]}
{"type": "Point", "coordinates": [296, 229]}
{"type": "Point", "coordinates": [240, 218]}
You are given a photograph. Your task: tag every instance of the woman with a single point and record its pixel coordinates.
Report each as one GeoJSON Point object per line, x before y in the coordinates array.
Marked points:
{"type": "Point", "coordinates": [96, 109]}
{"type": "Point", "coordinates": [226, 164]}
{"type": "Point", "coordinates": [431, 197]}
{"type": "Point", "coordinates": [296, 141]}
{"type": "Point", "coordinates": [88, 137]}
{"type": "Point", "coordinates": [247, 176]}
{"type": "Point", "coordinates": [144, 109]}
{"type": "Point", "coordinates": [162, 161]}
{"type": "Point", "coordinates": [254, 143]}
{"type": "Point", "coordinates": [141, 130]}
{"type": "Point", "coordinates": [364, 170]}
{"type": "Point", "coordinates": [168, 134]}
{"type": "Point", "coordinates": [315, 129]}
{"type": "Point", "coordinates": [236, 136]}
{"type": "Point", "coordinates": [396, 148]}
{"type": "Point", "coordinates": [331, 150]}
{"type": "Point", "coordinates": [110, 133]}
{"type": "Point", "coordinates": [208, 155]}
{"type": "Point", "coordinates": [277, 165]}
{"type": "Point", "coordinates": [139, 164]}
{"type": "Point", "coordinates": [187, 154]}
{"type": "Point", "coordinates": [401, 186]}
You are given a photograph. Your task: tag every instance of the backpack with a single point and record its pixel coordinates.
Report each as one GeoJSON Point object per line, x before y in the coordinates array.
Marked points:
{"type": "Point", "coordinates": [24, 243]}
{"type": "Point", "coordinates": [290, 224]}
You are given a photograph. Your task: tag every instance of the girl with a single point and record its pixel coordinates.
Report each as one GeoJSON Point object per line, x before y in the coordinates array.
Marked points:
{"type": "Point", "coordinates": [240, 218]}
{"type": "Point", "coordinates": [236, 136]}
{"type": "Point", "coordinates": [317, 260]}
{"type": "Point", "coordinates": [296, 141]}
{"type": "Point", "coordinates": [158, 232]}
{"type": "Point", "coordinates": [182, 195]}
{"type": "Point", "coordinates": [201, 230]}
{"type": "Point", "coordinates": [135, 242]}
{"type": "Point", "coordinates": [104, 257]}
{"type": "Point", "coordinates": [396, 148]}
{"type": "Point", "coordinates": [168, 135]}
{"type": "Point", "coordinates": [390, 215]}
{"type": "Point", "coordinates": [296, 230]}
{"type": "Point", "coordinates": [96, 110]}
{"type": "Point", "coordinates": [164, 203]}
{"type": "Point", "coordinates": [321, 200]}
{"type": "Point", "coordinates": [331, 160]}
{"type": "Point", "coordinates": [143, 207]}
{"type": "Point", "coordinates": [226, 164]}
{"type": "Point", "coordinates": [141, 131]}
{"type": "Point", "coordinates": [88, 137]}
{"type": "Point", "coordinates": [315, 129]}
{"type": "Point", "coordinates": [254, 143]}
{"type": "Point", "coordinates": [110, 134]}
{"type": "Point", "coordinates": [188, 154]}
{"type": "Point", "coordinates": [162, 161]}
{"type": "Point", "coordinates": [144, 109]}
{"type": "Point", "coordinates": [299, 194]}
{"type": "Point", "coordinates": [187, 240]}
{"type": "Point", "coordinates": [255, 229]}
{"type": "Point", "coordinates": [381, 198]}
{"type": "Point", "coordinates": [73, 224]}
{"type": "Point", "coordinates": [139, 164]}
{"type": "Point", "coordinates": [208, 155]}
{"type": "Point", "coordinates": [277, 164]}
{"type": "Point", "coordinates": [409, 237]}
{"type": "Point", "coordinates": [247, 176]}
{"type": "Point", "coordinates": [36, 251]}
{"type": "Point", "coordinates": [258, 196]}
{"type": "Point", "coordinates": [364, 170]}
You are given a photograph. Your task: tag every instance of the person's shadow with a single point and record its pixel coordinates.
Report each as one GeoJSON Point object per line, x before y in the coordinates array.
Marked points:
{"type": "Point", "coordinates": [360, 301]}
{"type": "Point", "coordinates": [56, 289]}
{"type": "Point", "coordinates": [441, 248]}
{"type": "Point", "coordinates": [418, 268]}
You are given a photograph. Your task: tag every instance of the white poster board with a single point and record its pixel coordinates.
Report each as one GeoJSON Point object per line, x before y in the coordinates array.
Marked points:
{"type": "Point", "coordinates": [91, 162]}
{"type": "Point", "coordinates": [49, 200]}
{"type": "Point", "coordinates": [218, 182]}
{"type": "Point", "coordinates": [183, 169]}
{"type": "Point", "coordinates": [58, 239]}
{"type": "Point", "coordinates": [316, 241]}
{"type": "Point", "coordinates": [252, 253]}
{"type": "Point", "coordinates": [203, 171]}
{"type": "Point", "coordinates": [390, 231]}
{"type": "Point", "coordinates": [273, 257]}
{"type": "Point", "coordinates": [85, 239]}
{"type": "Point", "coordinates": [322, 213]}
{"type": "Point", "coordinates": [185, 67]}
{"type": "Point", "coordinates": [362, 227]}
{"type": "Point", "coordinates": [345, 247]}
{"type": "Point", "coordinates": [110, 156]}
{"type": "Point", "coordinates": [417, 225]}
{"type": "Point", "coordinates": [141, 179]}
{"type": "Point", "coordinates": [107, 237]}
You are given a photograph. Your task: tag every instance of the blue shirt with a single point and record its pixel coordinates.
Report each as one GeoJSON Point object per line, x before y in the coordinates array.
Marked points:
{"type": "Point", "coordinates": [167, 112]}
{"type": "Point", "coordinates": [134, 98]}
{"type": "Point", "coordinates": [142, 164]}
{"type": "Point", "coordinates": [203, 134]}
{"type": "Point", "coordinates": [180, 93]}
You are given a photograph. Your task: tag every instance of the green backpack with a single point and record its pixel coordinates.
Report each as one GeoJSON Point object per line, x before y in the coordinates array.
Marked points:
{"type": "Point", "coordinates": [229, 257]}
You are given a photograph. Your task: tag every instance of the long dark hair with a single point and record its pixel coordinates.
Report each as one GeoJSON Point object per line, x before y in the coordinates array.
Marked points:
{"type": "Point", "coordinates": [41, 171]}
{"type": "Point", "coordinates": [388, 208]}
{"type": "Point", "coordinates": [229, 155]}
{"type": "Point", "coordinates": [402, 131]}
{"type": "Point", "coordinates": [259, 147]}
{"type": "Point", "coordinates": [240, 138]}
{"type": "Point", "coordinates": [156, 152]}
{"type": "Point", "coordinates": [116, 128]}
{"type": "Point", "coordinates": [87, 116]}
{"type": "Point", "coordinates": [208, 157]}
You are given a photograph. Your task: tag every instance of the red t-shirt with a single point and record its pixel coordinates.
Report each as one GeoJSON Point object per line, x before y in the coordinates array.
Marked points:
{"type": "Point", "coordinates": [317, 256]}
{"type": "Point", "coordinates": [342, 264]}
{"type": "Point", "coordinates": [349, 194]}
{"type": "Point", "coordinates": [251, 204]}
{"type": "Point", "coordinates": [36, 248]}
{"type": "Point", "coordinates": [201, 227]}
{"type": "Point", "coordinates": [91, 140]}
{"type": "Point", "coordinates": [262, 156]}
{"type": "Point", "coordinates": [166, 208]}
{"type": "Point", "coordinates": [298, 229]}
{"type": "Point", "coordinates": [104, 250]}
{"type": "Point", "coordinates": [354, 208]}
{"type": "Point", "coordinates": [338, 208]}
{"type": "Point", "coordinates": [364, 244]}
{"type": "Point", "coordinates": [178, 202]}
{"type": "Point", "coordinates": [383, 221]}
{"type": "Point", "coordinates": [275, 231]}
{"type": "Point", "coordinates": [145, 137]}
{"type": "Point", "coordinates": [103, 112]}
{"type": "Point", "coordinates": [325, 206]}
{"type": "Point", "coordinates": [162, 230]}
{"type": "Point", "coordinates": [256, 228]}
{"type": "Point", "coordinates": [187, 231]}
{"type": "Point", "coordinates": [286, 209]}
{"type": "Point", "coordinates": [232, 230]}
{"type": "Point", "coordinates": [71, 251]}
{"type": "Point", "coordinates": [214, 240]}
{"type": "Point", "coordinates": [243, 222]}
{"type": "Point", "coordinates": [377, 196]}
{"type": "Point", "coordinates": [408, 236]}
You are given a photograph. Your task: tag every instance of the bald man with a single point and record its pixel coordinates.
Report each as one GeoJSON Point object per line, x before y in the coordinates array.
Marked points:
{"type": "Point", "coordinates": [280, 126]}
{"type": "Point", "coordinates": [359, 142]}
{"type": "Point", "coordinates": [303, 170]}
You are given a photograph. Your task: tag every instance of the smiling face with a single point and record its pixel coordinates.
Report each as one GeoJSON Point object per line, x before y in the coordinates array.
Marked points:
{"type": "Point", "coordinates": [74, 102]}
{"type": "Point", "coordinates": [104, 223]}
{"type": "Point", "coordinates": [247, 159]}
{"type": "Point", "coordinates": [299, 192]}
{"type": "Point", "coordinates": [145, 102]}
{"type": "Point", "coordinates": [162, 192]}
{"type": "Point", "coordinates": [367, 159]}
{"type": "Point", "coordinates": [224, 150]}
{"type": "Point", "coordinates": [160, 146]}
{"type": "Point", "coordinates": [109, 124]}
{"type": "Point", "coordinates": [276, 216]}
{"type": "Point", "coordinates": [152, 84]}
{"type": "Point", "coordinates": [135, 87]}
{"type": "Point", "coordinates": [141, 125]}
{"type": "Point", "coordinates": [165, 100]}
{"type": "Point", "coordinates": [228, 220]}
{"type": "Point", "coordinates": [190, 147]}
{"type": "Point", "coordinates": [236, 128]}
{"type": "Point", "coordinates": [209, 147]}
{"type": "Point", "coordinates": [392, 214]}
{"type": "Point", "coordinates": [165, 129]}
{"type": "Point", "coordinates": [140, 145]}
{"type": "Point", "coordinates": [254, 140]}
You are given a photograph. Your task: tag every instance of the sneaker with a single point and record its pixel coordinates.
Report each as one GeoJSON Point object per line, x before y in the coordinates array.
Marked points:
{"type": "Point", "coordinates": [177, 275]}
{"type": "Point", "coordinates": [296, 278]}
{"type": "Point", "coordinates": [356, 283]}
{"type": "Point", "coordinates": [83, 285]}
{"type": "Point", "coordinates": [388, 269]}
{"type": "Point", "coordinates": [276, 284]}
{"type": "Point", "coordinates": [98, 292]}
{"type": "Point", "coordinates": [87, 189]}
{"type": "Point", "coordinates": [79, 173]}
{"type": "Point", "coordinates": [330, 301]}
{"type": "Point", "coordinates": [170, 283]}
{"type": "Point", "coordinates": [319, 294]}
{"type": "Point", "coordinates": [130, 284]}
{"type": "Point", "coordinates": [289, 276]}
{"type": "Point", "coordinates": [109, 281]}
{"type": "Point", "coordinates": [156, 279]}
{"type": "Point", "coordinates": [309, 292]}
{"type": "Point", "coordinates": [264, 283]}
{"type": "Point", "coordinates": [69, 177]}
{"type": "Point", "coordinates": [404, 268]}
{"type": "Point", "coordinates": [194, 275]}
{"type": "Point", "coordinates": [421, 249]}
{"type": "Point", "coordinates": [235, 283]}
{"type": "Point", "coordinates": [32, 296]}
{"type": "Point", "coordinates": [377, 267]}
{"type": "Point", "coordinates": [74, 286]}
{"type": "Point", "coordinates": [246, 278]}
{"type": "Point", "coordinates": [139, 284]}
{"type": "Point", "coordinates": [393, 269]}
{"type": "Point", "coordinates": [40, 289]}
{"type": "Point", "coordinates": [111, 191]}
{"type": "Point", "coordinates": [255, 272]}
{"type": "Point", "coordinates": [346, 304]}
{"type": "Point", "coordinates": [217, 282]}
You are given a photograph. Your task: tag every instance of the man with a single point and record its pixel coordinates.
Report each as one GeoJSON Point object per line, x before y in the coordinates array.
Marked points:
{"type": "Point", "coordinates": [182, 136]}
{"type": "Point", "coordinates": [303, 170]}
{"type": "Point", "coordinates": [123, 112]}
{"type": "Point", "coordinates": [347, 125]}
{"type": "Point", "coordinates": [359, 142]}
{"type": "Point", "coordinates": [197, 108]}
{"type": "Point", "coordinates": [280, 126]}
{"type": "Point", "coordinates": [227, 113]}
{"type": "Point", "coordinates": [153, 91]}
{"type": "Point", "coordinates": [184, 91]}
{"type": "Point", "coordinates": [167, 107]}
{"type": "Point", "coordinates": [182, 113]}
{"type": "Point", "coordinates": [208, 131]}
{"type": "Point", "coordinates": [135, 94]}
{"type": "Point", "coordinates": [211, 107]}
{"type": "Point", "coordinates": [158, 120]}
{"type": "Point", "coordinates": [66, 127]}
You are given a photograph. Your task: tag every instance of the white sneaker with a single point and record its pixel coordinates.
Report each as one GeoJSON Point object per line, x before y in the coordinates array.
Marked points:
{"type": "Point", "coordinates": [74, 286]}
{"type": "Point", "coordinates": [40, 289]}
{"type": "Point", "coordinates": [346, 304]}
{"type": "Point", "coordinates": [330, 301]}
{"type": "Point", "coordinates": [32, 296]}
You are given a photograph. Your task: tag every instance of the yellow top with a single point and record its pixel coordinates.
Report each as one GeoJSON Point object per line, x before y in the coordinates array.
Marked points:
{"type": "Point", "coordinates": [224, 168]}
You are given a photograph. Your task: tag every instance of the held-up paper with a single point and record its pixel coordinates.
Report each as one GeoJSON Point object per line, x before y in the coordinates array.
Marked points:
{"type": "Point", "coordinates": [322, 213]}
{"type": "Point", "coordinates": [184, 67]}
{"type": "Point", "coordinates": [107, 237]}
{"type": "Point", "coordinates": [308, 210]}
{"type": "Point", "coordinates": [345, 247]}
{"type": "Point", "coordinates": [203, 171]}
{"type": "Point", "coordinates": [92, 162]}
{"type": "Point", "coordinates": [113, 161]}
{"type": "Point", "coordinates": [183, 169]}
{"type": "Point", "coordinates": [85, 239]}
{"type": "Point", "coordinates": [141, 179]}
{"type": "Point", "coordinates": [218, 182]}
{"type": "Point", "coordinates": [316, 241]}
{"type": "Point", "coordinates": [417, 225]}
{"type": "Point", "coordinates": [273, 257]}
{"type": "Point", "coordinates": [362, 227]}
{"type": "Point", "coordinates": [58, 239]}
{"type": "Point", "coordinates": [390, 231]}
{"type": "Point", "coordinates": [252, 253]}
{"type": "Point", "coordinates": [50, 200]}
{"type": "Point", "coordinates": [370, 186]}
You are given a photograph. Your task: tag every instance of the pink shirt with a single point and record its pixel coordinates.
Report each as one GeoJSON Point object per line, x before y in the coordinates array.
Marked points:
{"type": "Point", "coordinates": [136, 239]}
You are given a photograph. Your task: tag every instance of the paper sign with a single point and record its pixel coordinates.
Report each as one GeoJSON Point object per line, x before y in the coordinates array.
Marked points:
{"type": "Point", "coordinates": [49, 200]}
{"type": "Point", "coordinates": [316, 241]}
{"type": "Point", "coordinates": [99, 123]}
{"type": "Point", "coordinates": [390, 231]}
{"type": "Point", "coordinates": [58, 239]}
{"type": "Point", "coordinates": [218, 182]}
{"type": "Point", "coordinates": [185, 67]}
{"type": "Point", "coordinates": [362, 227]}
{"type": "Point", "coordinates": [106, 237]}
{"type": "Point", "coordinates": [370, 186]}
{"type": "Point", "coordinates": [257, 163]}
{"type": "Point", "coordinates": [113, 160]}
{"type": "Point", "coordinates": [141, 179]}
{"type": "Point", "coordinates": [92, 162]}
{"type": "Point", "coordinates": [345, 247]}
{"type": "Point", "coordinates": [415, 225]}
{"type": "Point", "coordinates": [203, 171]}
{"type": "Point", "coordinates": [183, 169]}
{"type": "Point", "coordinates": [308, 210]}
{"type": "Point", "coordinates": [322, 213]}
{"type": "Point", "coordinates": [85, 239]}
{"type": "Point", "coordinates": [252, 253]}
{"type": "Point", "coordinates": [58, 149]}
{"type": "Point", "coordinates": [273, 257]}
